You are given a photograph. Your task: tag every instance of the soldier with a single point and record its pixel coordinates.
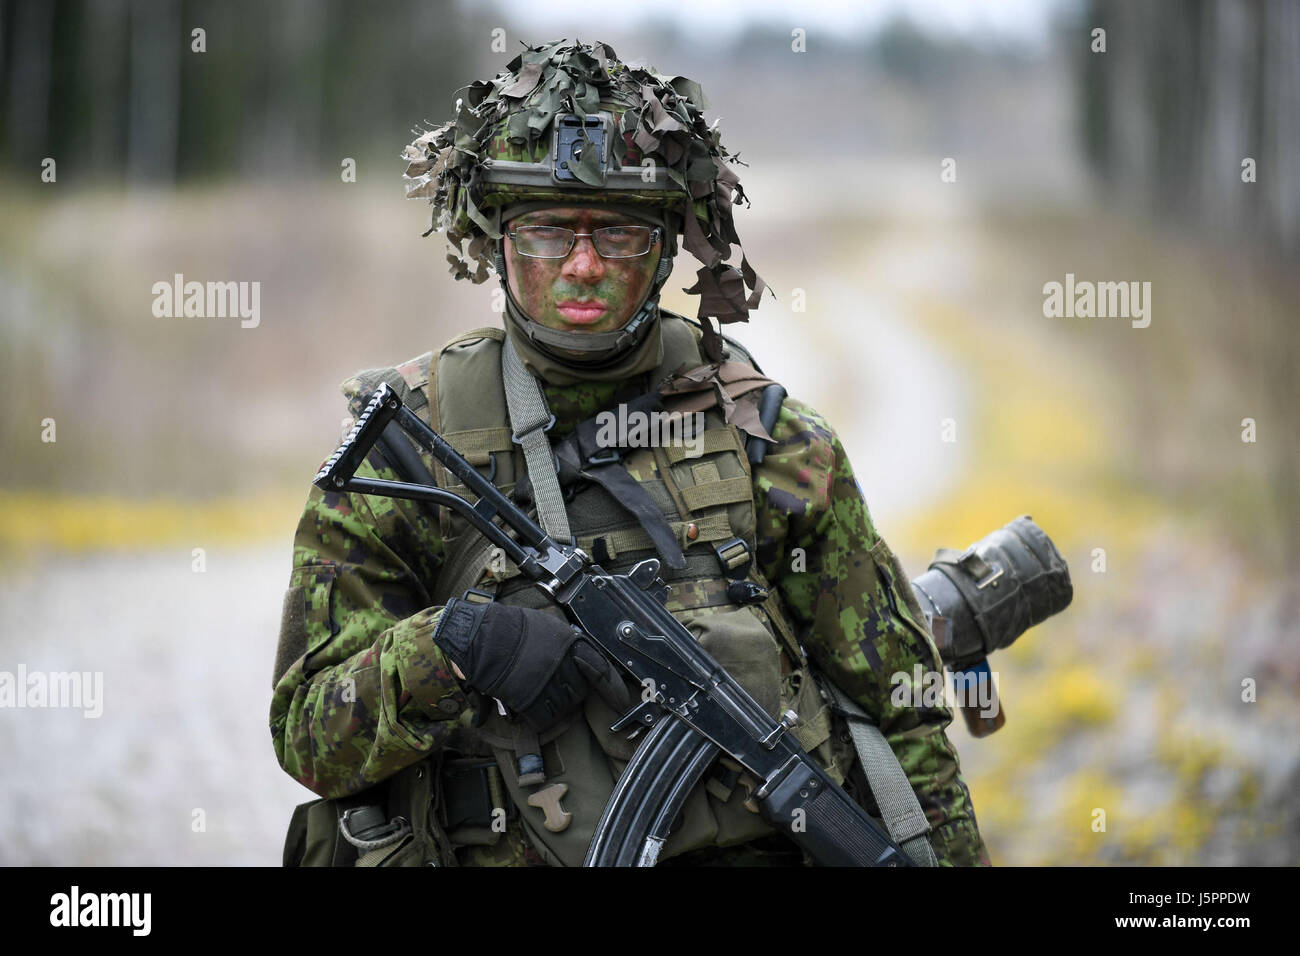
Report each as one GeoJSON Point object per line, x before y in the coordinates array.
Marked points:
{"type": "Point", "coordinates": [440, 727]}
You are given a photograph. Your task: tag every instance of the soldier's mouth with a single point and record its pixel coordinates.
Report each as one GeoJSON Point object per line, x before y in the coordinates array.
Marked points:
{"type": "Point", "coordinates": [581, 313]}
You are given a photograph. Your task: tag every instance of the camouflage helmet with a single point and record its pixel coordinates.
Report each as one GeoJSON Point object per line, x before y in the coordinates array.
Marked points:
{"type": "Point", "coordinates": [568, 123]}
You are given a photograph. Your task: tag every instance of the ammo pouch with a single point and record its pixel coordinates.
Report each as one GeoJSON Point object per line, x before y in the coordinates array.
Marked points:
{"type": "Point", "coordinates": [582, 762]}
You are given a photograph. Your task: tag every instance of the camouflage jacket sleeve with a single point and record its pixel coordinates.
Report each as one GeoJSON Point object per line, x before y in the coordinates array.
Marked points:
{"type": "Point", "coordinates": [368, 693]}
{"type": "Point", "coordinates": [845, 592]}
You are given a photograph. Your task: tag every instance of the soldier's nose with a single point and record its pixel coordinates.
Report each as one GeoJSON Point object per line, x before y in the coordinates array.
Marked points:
{"type": "Point", "coordinates": [583, 262]}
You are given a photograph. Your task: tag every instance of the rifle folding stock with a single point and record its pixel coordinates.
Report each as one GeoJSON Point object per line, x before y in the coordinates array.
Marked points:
{"type": "Point", "coordinates": [695, 710]}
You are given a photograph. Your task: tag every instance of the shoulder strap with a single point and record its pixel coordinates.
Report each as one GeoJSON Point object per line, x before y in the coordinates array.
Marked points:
{"type": "Point", "coordinates": [530, 420]}
{"type": "Point", "coordinates": [483, 332]}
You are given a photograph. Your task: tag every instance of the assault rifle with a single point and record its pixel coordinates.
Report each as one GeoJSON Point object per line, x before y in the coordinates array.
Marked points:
{"type": "Point", "coordinates": [697, 711]}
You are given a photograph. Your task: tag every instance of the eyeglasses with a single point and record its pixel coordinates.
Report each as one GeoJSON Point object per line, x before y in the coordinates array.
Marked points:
{"type": "Point", "coordinates": [556, 242]}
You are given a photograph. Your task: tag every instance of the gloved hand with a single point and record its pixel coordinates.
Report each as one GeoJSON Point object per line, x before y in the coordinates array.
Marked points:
{"type": "Point", "coordinates": [538, 666]}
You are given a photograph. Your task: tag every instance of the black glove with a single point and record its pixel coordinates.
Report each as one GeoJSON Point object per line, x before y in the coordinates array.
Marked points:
{"type": "Point", "coordinates": [534, 663]}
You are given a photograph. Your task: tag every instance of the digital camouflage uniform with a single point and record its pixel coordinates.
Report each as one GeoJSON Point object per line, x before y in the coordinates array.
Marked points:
{"type": "Point", "coordinates": [374, 694]}
{"type": "Point", "coordinates": [369, 694]}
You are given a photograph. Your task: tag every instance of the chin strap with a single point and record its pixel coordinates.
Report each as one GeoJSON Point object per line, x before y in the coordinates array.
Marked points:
{"type": "Point", "coordinates": [602, 347]}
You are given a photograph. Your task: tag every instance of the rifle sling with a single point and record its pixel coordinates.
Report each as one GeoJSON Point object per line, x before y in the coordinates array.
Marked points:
{"type": "Point", "coordinates": [899, 808]}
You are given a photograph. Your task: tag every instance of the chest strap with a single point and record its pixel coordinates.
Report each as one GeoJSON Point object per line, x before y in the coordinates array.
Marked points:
{"type": "Point", "coordinates": [581, 456]}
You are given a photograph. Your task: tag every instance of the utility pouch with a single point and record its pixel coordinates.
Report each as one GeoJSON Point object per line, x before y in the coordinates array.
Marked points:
{"type": "Point", "coordinates": [473, 807]}
{"type": "Point", "coordinates": [313, 838]}
{"type": "Point", "coordinates": [389, 824]}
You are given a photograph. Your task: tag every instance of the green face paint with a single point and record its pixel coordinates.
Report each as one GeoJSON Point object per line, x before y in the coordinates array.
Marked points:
{"type": "Point", "coordinates": [582, 292]}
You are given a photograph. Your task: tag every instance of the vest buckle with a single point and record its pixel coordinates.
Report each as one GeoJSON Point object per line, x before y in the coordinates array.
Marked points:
{"type": "Point", "coordinates": [518, 437]}
{"type": "Point", "coordinates": [746, 592]}
{"type": "Point", "coordinates": [735, 558]}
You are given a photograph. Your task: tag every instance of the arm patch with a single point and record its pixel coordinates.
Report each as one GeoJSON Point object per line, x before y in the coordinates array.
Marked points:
{"type": "Point", "coordinates": [293, 632]}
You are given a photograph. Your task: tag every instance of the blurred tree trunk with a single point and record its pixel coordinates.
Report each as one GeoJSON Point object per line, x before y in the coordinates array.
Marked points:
{"type": "Point", "coordinates": [285, 88]}
{"type": "Point", "coordinates": [104, 55]}
{"type": "Point", "coordinates": [157, 42]}
{"type": "Point", "coordinates": [293, 109]}
{"type": "Point", "coordinates": [1187, 90]}
{"type": "Point", "coordinates": [29, 83]}
{"type": "Point", "coordinates": [1280, 101]}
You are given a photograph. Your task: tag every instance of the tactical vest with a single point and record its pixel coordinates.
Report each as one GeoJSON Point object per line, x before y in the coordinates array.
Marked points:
{"type": "Point", "coordinates": [706, 500]}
